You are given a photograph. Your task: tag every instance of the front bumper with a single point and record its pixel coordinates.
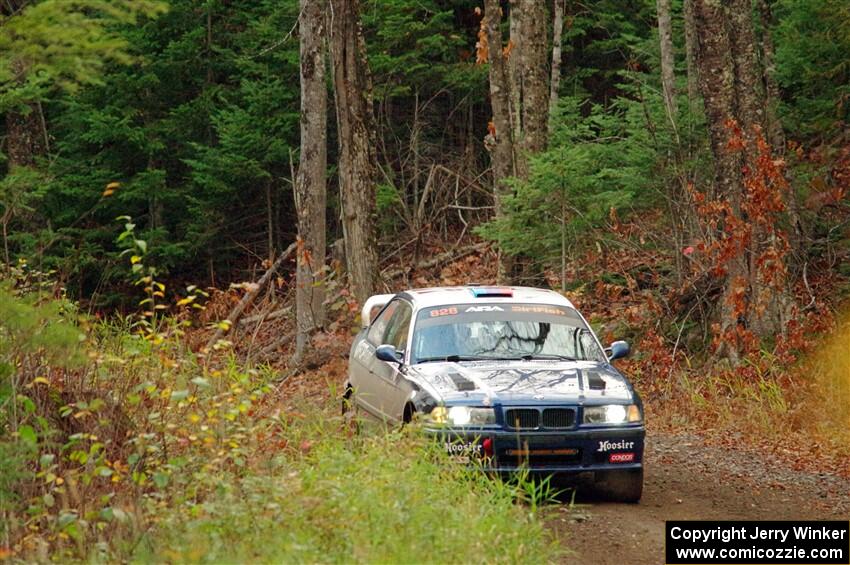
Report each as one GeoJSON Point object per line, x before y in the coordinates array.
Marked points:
{"type": "Point", "coordinates": [567, 451]}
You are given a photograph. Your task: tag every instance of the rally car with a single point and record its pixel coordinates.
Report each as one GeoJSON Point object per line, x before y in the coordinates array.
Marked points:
{"type": "Point", "coordinates": [513, 377]}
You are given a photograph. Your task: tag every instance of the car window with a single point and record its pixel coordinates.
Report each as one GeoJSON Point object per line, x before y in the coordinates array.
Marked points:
{"type": "Point", "coordinates": [398, 327]}
{"type": "Point", "coordinates": [503, 332]}
{"type": "Point", "coordinates": [379, 327]}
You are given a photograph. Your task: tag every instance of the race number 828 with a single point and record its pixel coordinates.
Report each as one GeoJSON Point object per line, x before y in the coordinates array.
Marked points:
{"type": "Point", "coordinates": [443, 312]}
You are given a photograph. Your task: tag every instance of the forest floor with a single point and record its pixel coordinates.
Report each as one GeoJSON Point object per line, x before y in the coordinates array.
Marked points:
{"type": "Point", "coordinates": [690, 479]}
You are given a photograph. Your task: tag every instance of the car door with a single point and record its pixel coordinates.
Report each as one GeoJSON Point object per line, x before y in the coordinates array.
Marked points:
{"type": "Point", "coordinates": [394, 388]}
{"type": "Point", "coordinates": [367, 388]}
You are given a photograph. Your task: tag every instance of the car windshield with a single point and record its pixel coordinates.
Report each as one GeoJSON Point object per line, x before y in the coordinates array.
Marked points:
{"type": "Point", "coordinates": [470, 332]}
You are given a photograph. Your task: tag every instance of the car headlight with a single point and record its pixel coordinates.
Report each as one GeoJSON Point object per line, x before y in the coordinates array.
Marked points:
{"type": "Point", "coordinates": [462, 416]}
{"type": "Point", "coordinates": [612, 414]}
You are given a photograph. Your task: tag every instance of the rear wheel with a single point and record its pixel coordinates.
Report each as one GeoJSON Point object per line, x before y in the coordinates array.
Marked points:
{"type": "Point", "coordinates": [623, 486]}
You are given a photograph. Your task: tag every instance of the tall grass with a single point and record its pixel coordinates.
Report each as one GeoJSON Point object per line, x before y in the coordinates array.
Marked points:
{"type": "Point", "coordinates": [143, 451]}
{"type": "Point", "coordinates": [807, 403]}
{"type": "Point", "coordinates": [387, 498]}
{"type": "Point", "coordinates": [829, 402]}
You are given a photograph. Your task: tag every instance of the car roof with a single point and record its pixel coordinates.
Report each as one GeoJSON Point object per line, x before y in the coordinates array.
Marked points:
{"type": "Point", "coordinates": [481, 294]}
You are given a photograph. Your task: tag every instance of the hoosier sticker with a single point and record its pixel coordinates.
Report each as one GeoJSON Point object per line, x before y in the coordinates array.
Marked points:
{"type": "Point", "coordinates": [608, 445]}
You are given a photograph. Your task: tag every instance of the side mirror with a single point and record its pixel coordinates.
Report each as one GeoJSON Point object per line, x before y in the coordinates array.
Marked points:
{"type": "Point", "coordinates": [388, 353]}
{"type": "Point", "coordinates": [617, 350]}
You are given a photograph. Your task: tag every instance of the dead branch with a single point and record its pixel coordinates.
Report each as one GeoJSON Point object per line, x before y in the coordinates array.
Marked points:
{"type": "Point", "coordinates": [249, 298]}
{"type": "Point", "coordinates": [452, 255]}
{"type": "Point", "coordinates": [273, 315]}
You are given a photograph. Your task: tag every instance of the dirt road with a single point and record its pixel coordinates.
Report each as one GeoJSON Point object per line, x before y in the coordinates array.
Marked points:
{"type": "Point", "coordinates": [689, 480]}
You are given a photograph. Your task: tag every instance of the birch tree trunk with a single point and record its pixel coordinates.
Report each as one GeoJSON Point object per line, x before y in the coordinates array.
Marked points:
{"type": "Point", "coordinates": [557, 38]}
{"type": "Point", "coordinates": [357, 154]}
{"type": "Point", "coordinates": [668, 60]}
{"type": "Point", "coordinates": [310, 186]}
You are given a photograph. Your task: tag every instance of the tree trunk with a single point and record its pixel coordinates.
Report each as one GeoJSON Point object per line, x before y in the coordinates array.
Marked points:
{"type": "Point", "coordinates": [357, 154]}
{"type": "Point", "coordinates": [748, 93]}
{"type": "Point", "coordinates": [557, 38]}
{"type": "Point", "coordinates": [310, 186]}
{"type": "Point", "coordinates": [755, 301]}
{"type": "Point", "coordinates": [514, 59]}
{"type": "Point", "coordinates": [668, 60]}
{"type": "Point", "coordinates": [773, 125]}
{"type": "Point", "coordinates": [535, 90]}
{"type": "Point", "coordinates": [769, 300]}
{"type": "Point", "coordinates": [717, 83]}
{"type": "Point", "coordinates": [500, 140]}
{"type": "Point", "coordinates": [691, 53]}
{"type": "Point", "coordinates": [775, 134]}
{"type": "Point", "coordinates": [24, 137]}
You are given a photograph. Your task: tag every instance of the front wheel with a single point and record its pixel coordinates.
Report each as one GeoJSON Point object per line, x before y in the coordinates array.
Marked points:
{"type": "Point", "coordinates": [623, 486]}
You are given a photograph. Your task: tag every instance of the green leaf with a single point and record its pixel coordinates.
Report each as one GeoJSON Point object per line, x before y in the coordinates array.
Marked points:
{"type": "Point", "coordinates": [119, 515]}
{"type": "Point", "coordinates": [66, 518]}
{"type": "Point", "coordinates": [160, 480]}
{"type": "Point", "coordinates": [201, 382]}
{"type": "Point", "coordinates": [28, 435]}
{"type": "Point", "coordinates": [179, 395]}
{"type": "Point", "coordinates": [46, 460]}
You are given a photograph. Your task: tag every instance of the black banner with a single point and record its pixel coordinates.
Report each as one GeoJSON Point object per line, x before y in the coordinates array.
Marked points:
{"type": "Point", "coordinates": [754, 542]}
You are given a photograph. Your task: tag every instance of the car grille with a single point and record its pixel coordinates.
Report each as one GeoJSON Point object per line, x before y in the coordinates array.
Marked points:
{"type": "Point", "coordinates": [522, 418]}
{"type": "Point", "coordinates": [533, 418]}
{"type": "Point", "coordinates": [558, 418]}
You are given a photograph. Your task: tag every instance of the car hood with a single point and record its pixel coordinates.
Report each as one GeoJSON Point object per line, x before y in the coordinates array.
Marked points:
{"type": "Point", "coordinates": [539, 382]}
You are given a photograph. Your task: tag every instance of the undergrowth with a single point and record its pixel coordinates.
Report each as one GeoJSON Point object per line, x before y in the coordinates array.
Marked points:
{"type": "Point", "coordinates": [121, 444]}
{"type": "Point", "coordinates": [384, 498]}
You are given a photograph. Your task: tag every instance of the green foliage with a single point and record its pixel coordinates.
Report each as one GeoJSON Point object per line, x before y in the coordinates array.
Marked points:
{"type": "Point", "coordinates": [197, 132]}
{"type": "Point", "coordinates": [64, 44]}
{"type": "Point", "coordinates": [142, 452]}
{"type": "Point", "coordinates": [812, 40]}
{"type": "Point", "coordinates": [602, 39]}
{"type": "Point", "coordinates": [417, 49]}
{"type": "Point", "coordinates": [33, 325]}
{"type": "Point", "coordinates": [391, 497]}
{"type": "Point", "coordinates": [36, 332]}
{"type": "Point", "coordinates": [606, 160]}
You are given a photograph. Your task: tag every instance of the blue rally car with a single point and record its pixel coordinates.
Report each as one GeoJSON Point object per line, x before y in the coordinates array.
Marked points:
{"type": "Point", "coordinates": [512, 376]}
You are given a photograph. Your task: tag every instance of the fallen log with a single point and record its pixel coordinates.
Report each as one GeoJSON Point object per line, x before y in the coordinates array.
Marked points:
{"type": "Point", "coordinates": [441, 258]}
{"type": "Point", "coordinates": [273, 315]}
{"type": "Point", "coordinates": [249, 298]}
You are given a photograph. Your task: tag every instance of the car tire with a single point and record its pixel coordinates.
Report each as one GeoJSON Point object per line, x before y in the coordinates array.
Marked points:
{"type": "Point", "coordinates": [622, 486]}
